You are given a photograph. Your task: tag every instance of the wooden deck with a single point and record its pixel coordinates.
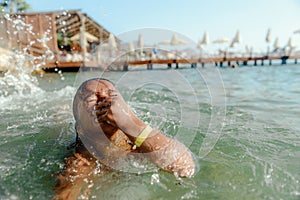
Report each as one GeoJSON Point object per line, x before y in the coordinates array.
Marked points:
{"type": "Point", "coordinates": [218, 61]}
{"type": "Point", "coordinates": [213, 60]}
{"type": "Point", "coordinates": [70, 66]}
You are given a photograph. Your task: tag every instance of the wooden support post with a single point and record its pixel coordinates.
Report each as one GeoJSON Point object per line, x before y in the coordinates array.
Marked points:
{"type": "Point", "coordinates": [82, 38]}
{"type": "Point", "coordinates": [149, 65]}
{"type": "Point", "coordinates": [101, 38]}
{"type": "Point", "coordinates": [229, 64]}
{"type": "Point", "coordinates": [284, 59]}
{"type": "Point", "coordinates": [194, 65]}
{"type": "Point", "coordinates": [54, 39]}
{"type": "Point", "coordinates": [270, 62]}
{"type": "Point", "coordinates": [221, 64]}
{"type": "Point", "coordinates": [125, 66]}
{"type": "Point", "coordinates": [296, 61]}
{"type": "Point", "coordinates": [255, 62]}
{"type": "Point", "coordinates": [245, 63]}
{"type": "Point", "coordinates": [169, 65]}
{"type": "Point", "coordinates": [177, 65]}
{"type": "Point", "coordinates": [202, 64]}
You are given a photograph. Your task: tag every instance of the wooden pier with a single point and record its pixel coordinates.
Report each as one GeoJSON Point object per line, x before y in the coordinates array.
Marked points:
{"type": "Point", "coordinates": [231, 62]}
{"type": "Point", "coordinates": [221, 62]}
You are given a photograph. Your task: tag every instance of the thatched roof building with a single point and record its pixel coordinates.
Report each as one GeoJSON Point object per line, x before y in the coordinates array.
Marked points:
{"type": "Point", "coordinates": [47, 35]}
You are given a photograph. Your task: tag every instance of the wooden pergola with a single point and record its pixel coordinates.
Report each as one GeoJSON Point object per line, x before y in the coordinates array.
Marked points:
{"type": "Point", "coordinates": [36, 33]}
{"type": "Point", "coordinates": [70, 23]}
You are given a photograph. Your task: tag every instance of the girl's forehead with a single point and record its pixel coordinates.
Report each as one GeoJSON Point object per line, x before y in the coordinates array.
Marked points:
{"type": "Point", "coordinates": [96, 85]}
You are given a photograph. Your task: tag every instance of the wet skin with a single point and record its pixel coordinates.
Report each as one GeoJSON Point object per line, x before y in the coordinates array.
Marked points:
{"type": "Point", "coordinates": [104, 119]}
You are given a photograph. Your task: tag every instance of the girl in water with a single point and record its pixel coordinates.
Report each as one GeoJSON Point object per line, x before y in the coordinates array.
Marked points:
{"type": "Point", "coordinates": [107, 132]}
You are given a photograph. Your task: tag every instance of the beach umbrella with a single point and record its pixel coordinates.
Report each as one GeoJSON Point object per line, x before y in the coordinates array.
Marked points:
{"type": "Point", "coordinates": [276, 43]}
{"type": "Point", "coordinates": [131, 47]}
{"type": "Point", "coordinates": [165, 42]}
{"type": "Point", "coordinates": [205, 39]}
{"type": "Point", "coordinates": [112, 41]}
{"type": "Point", "coordinates": [88, 37]}
{"type": "Point", "coordinates": [268, 36]}
{"type": "Point", "coordinates": [200, 45]}
{"type": "Point", "coordinates": [221, 40]}
{"type": "Point", "coordinates": [290, 43]}
{"type": "Point", "coordinates": [236, 39]}
{"type": "Point", "coordinates": [297, 31]}
{"type": "Point", "coordinates": [140, 43]}
{"type": "Point", "coordinates": [173, 42]}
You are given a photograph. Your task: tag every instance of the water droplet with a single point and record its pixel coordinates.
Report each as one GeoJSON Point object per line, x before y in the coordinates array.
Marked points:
{"type": "Point", "coordinates": [154, 178]}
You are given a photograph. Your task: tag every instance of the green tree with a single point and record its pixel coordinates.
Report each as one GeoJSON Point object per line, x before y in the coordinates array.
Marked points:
{"type": "Point", "coordinates": [14, 6]}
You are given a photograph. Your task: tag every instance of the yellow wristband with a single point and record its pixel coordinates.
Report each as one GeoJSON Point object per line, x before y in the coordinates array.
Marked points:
{"type": "Point", "coordinates": [143, 136]}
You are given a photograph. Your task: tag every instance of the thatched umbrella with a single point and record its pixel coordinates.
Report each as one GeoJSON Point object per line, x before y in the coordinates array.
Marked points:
{"type": "Point", "coordinates": [236, 39]}
{"type": "Point", "coordinates": [173, 42]}
{"type": "Point", "coordinates": [140, 43]}
{"type": "Point", "coordinates": [204, 41]}
{"type": "Point", "coordinates": [268, 36]}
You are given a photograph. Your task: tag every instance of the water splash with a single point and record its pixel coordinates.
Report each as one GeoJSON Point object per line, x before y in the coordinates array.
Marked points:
{"type": "Point", "coordinates": [17, 66]}
{"type": "Point", "coordinates": [18, 79]}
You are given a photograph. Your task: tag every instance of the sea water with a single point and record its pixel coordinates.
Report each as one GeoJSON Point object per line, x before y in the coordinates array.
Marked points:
{"type": "Point", "coordinates": [254, 153]}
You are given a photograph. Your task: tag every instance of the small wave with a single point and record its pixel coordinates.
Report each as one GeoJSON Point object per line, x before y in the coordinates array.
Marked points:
{"type": "Point", "coordinates": [36, 97]}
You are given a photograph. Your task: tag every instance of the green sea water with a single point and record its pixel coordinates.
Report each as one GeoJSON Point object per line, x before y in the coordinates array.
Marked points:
{"type": "Point", "coordinates": [248, 117]}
